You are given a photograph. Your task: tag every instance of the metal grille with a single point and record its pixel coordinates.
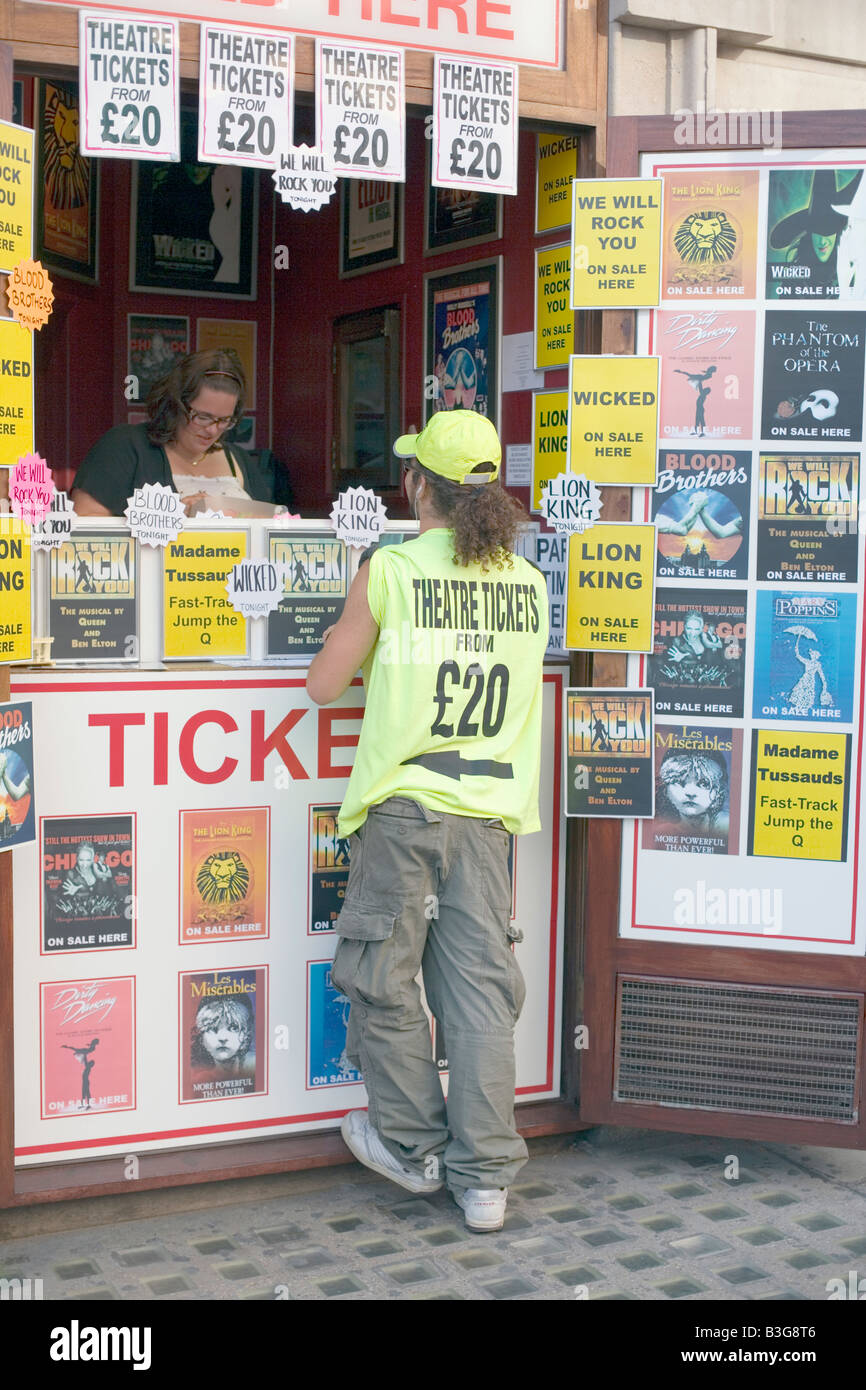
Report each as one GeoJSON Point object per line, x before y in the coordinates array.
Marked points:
{"type": "Point", "coordinates": [731, 1047]}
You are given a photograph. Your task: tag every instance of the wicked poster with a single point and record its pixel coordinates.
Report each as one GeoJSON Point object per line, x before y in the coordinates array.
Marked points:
{"type": "Point", "coordinates": [808, 517]}
{"type": "Point", "coordinates": [223, 1033]}
{"type": "Point", "coordinates": [707, 373]}
{"type": "Point", "coordinates": [698, 661]}
{"type": "Point", "coordinates": [813, 236]}
{"type": "Point", "coordinates": [88, 1047]}
{"type": "Point", "coordinates": [88, 882]}
{"type": "Point", "coordinates": [700, 507]}
{"type": "Point", "coordinates": [813, 375]}
{"type": "Point", "coordinates": [710, 237]}
{"type": "Point", "coordinates": [698, 774]}
{"type": "Point", "coordinates": [804, 656]}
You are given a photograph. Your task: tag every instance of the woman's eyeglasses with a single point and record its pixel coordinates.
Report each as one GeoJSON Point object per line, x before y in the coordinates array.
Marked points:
{"type": "Point", "coordinates": [201, 417]}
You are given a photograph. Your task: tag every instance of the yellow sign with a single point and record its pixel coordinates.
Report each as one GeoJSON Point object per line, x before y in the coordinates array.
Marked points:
{"type": "Point", "coordinates": [555, 168]}
{"type": "Point", "coordinates": [16, 604]}
{"type": "Point", "coordinates": [549, 440]}
{"type": "Point", "coordinates": [16, 392]}
{"type": "Point", "coordinates": [611, 571]}
{"type": "Point", "coordinates": [613, 418]}
{"type": "Point", "coordinates": [198, 620]}
{"type": "Point", "coordinates": [16, 194]}
{"type": "Point", "coordinates": [30, 294]}
{"type": "Point", "coordinates": [554, 319]}
{"type": "Point", "coordinates": [799, 804]}
{"type": "Point", "coordinates": [616, 238]}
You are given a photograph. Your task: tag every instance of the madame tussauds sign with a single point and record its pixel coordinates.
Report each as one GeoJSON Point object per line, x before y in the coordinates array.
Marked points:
{"type": "Point", "coordinates": [521, 31]}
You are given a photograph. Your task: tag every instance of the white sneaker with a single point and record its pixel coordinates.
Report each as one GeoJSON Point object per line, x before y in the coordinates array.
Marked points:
{"type": "Point", "coordinates": [365, 1143]}
{"type": "Point", "coordinates": [484, 1207]}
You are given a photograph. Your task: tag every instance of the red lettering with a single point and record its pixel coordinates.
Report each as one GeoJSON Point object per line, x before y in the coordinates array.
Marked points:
{"type": "Point", "coordinates": [388, 16]}
{"type": "Point", "coordinates": [261, 745]}
{"type": "Point", "coordinates": [186, 746]}
{"type": "Point", "coordinates": [485, 6]}
{"type": "Point", "coordinates": [457, 8]}
{"type": "Point", "coordinates": [366, 8]}
{"type": "Point", "coordinates": [116, 725]}
{"type": "Point", "coordinates": [328, 739]}
{"type": "Point", "coordinates": [160, 749]}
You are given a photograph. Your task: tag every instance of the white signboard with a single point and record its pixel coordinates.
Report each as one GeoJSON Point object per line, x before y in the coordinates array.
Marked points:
{"type": "Point", "coordinates": [130, 86]}
{"type": "Point", "coordinates": [522, 31]}
{"type": "Point", "coordinates": [361, 111]}
{"type": "Point", "coordinates": [247, 97]}
{"type": "Point", "coordinates": [474, 125]}
{"type": "Point", "coordinates": [304, 179]}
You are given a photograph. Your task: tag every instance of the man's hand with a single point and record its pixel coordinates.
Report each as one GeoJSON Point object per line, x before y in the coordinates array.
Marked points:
{"type": "Point", "coordinates": [345, 646]}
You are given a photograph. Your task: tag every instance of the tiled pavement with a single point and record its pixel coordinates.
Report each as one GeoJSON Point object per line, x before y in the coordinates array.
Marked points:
{"type": "Point", "coordinates": [610, 1214]}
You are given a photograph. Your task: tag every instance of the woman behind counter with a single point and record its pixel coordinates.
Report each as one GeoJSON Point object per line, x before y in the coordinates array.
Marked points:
{"type": "Point", "coordinates": [189, 411]}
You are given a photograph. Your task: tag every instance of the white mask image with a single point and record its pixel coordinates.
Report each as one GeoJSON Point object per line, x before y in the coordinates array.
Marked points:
{"type": "Point", "coordinates": [821, 404]}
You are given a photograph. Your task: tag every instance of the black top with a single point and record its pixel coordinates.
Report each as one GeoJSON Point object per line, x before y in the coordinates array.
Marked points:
{"type": "Point", "coordinates": [124, 459]}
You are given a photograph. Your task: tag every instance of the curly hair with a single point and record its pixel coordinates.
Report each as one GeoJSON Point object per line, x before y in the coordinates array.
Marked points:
{"type": "Point", "coordinates": [706, 769]}
{"type": "Point", "coordinates": [218, 367]}
{"type": "Point", "coordinates": [485, 519]}
{"type": "Point", "coordinates": [235, 1014]}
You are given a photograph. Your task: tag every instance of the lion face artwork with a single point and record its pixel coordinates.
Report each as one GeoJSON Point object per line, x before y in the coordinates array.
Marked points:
{"type": "Point", "coordinates": [223, 878]}
{"type": "Point", "coordinates": [67, 176]}
{"type": "Point", "coordinates": [705, 236]}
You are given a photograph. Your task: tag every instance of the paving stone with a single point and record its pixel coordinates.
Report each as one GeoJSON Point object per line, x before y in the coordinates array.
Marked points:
{"type": "Point", "coordinates": [703, 1160]}
{"type": "Point", "coordinates": [641, 1260]}
{"type": "Point", "coordinates": [407, 1211]}
{"type": "Point", "coordinates": [577, 1274]}
{"type": "Point", "coordinates": [682, 1190]}
{"type": "Point", "coordinates": [409, 1273]}
{"type": "Point", "coordinates": [76, 1269]}
{"type": "Point", "coordinates": [587, 1180]}
{"type": "Point", "coordinates": [786, 1296]}
{"type": "Point", "coordinates": [629, 1201]}
{"type": "Point", "coordinates": [857, 1245]}
{"type": "Point", "coordinates": [531, 1190]}
{"type": "Point", "coordinates": [515, 1222]}
{"type": "Point", "coordinates": [261, 1296]}
{"type": "Point", "coordinates": [442, 1235]}
{"type": "Point", "coordinates": [680, 1288]}
{"type": "Point", "coordinates": [615, 1297]}
{"type": "Point", "coordinates": [238, 1269]}
{"type": "Point", "coordinates": [509, 1288]}
{"type": "Point", "coordinates": [143, 1255]}
{"type": "Point", "coordinates": [311, 1258]}
{"type": "Point", "coordinates": [820, 1221]}
{"type": "Point", "coordinates": [660, 1223]}
{"type": "Point", "coordinates": [699, 1245]}
{"type": "Point", "coordinates": [723, 1212]}
{"type": "Point", "coordinates": [652, 1170]}
{"type": "Point", "coordinates": [344, 1283]}
{"type": "Point", "coordinates": [759, 1235]}
{"type": "Point", "coordinates": [565, 1214]}
{"type": "Point", "coordinates": [476, 1259]}
{"type": "Point", "coordinates": [777, 1199]}
{"type": "Point", "coordinates": [805, 1259]}
{"type": "Point", "coordinates": [213, 1245]}
{"type": "Point", "coordinates": [742, 1274]}
{"type": "Point", "coordinates": [344, 1223]}
{"type": "Point", "coordinates": [439, 1296]}
{"type": "Point", "coordinates": [277, 1235]}
{"type": "Point", "coordinates": [606, 1236]}
{"type": "Point", "coordinates": [163, 1284]}
{"type": "Point", "coordinates": [371, 1248]}
{"type": "Point", "coordinates": [102, 1294]}
{"type": "Point", "coordinates": [536, 1245]}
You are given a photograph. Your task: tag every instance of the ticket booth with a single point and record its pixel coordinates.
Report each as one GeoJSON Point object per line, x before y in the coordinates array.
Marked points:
{"type": "Point", "coordinates": [168, 760]}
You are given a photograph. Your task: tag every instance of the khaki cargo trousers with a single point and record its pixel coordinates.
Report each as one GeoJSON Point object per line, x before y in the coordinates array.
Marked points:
{"type": "Point", "coordinates": [430, 891]}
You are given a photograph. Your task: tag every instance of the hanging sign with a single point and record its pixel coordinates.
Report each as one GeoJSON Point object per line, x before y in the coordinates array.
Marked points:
{"type": "Point", "coordinates": [16, 400]}
{"type": "Point", "coordinates": [571, 503]}
{"type": "Point", "coordinates": [613, 418]}
{"type": "Point", "coordinates": [30, 294]}
{"type": "Point", "coordinates": [554, 318]}
{"type": "Point", "coordinates": [361, 110]}
{"type": "Point", "coordinates": [16, 591]}
{"type": "Point", "coordinates": [130, 86]}
{"type": "Point", "coordinates": [616, 229]}
{"type": "Point", "coordinates": [549, 440]}
{"type": "Point", "coordinates": [155, 513]}
{"type": "Point", "coordinates": [611, 573]}
{"type": "Point", "coordinates": [474, 125]}
{"type": "Point", "coordinates": [304, 179]}
{"type": "Point", "coordinates": [255, 587]}
{"type": "Point", "coordinates": [56, 525]}
{"type": "Point", "coordinates": [198, 620]}
{"type": "Point", "coordinates": [609, 753]}
{"type": "Point", "coordinates": [358, 516]}
{"type": "Point", "coordinates": [555, 169]}
{"type": "Point", "coordinates": [31, 488]}
{"type": "Point", "coordinates": [246, 80]}
{"type": "Point", "coordinates": [16, 195]}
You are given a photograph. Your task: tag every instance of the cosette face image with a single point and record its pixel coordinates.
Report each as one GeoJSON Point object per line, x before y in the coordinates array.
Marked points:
{"type": "Point", "coordinates": [692, 787]}
{"type": "Point", "coordinates": [222, 1033]}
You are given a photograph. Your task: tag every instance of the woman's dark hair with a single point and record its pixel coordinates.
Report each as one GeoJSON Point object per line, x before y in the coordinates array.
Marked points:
{"type": "Point", "coordinates": [485, 519]}
{"type": "Point", "coordinates": [219, 367]}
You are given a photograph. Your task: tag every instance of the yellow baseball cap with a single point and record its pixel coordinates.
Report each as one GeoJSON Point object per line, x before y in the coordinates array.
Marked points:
{"type": "Point", "coordinates": [452, 443]}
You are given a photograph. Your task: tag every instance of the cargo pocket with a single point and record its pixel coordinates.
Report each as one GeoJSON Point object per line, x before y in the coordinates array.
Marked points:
{"type": "Point", "coordinates": [363, 967]}
{"type": "Point", "coordinates": [516, 981]}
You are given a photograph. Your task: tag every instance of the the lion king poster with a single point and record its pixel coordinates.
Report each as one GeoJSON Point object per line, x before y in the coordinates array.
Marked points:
{"type": "Point", "coordinates": [224, 874]}
{"type": "Point", "coordinates": [67, 217]}
{"type": "Point", "coordinates": [710, 241]}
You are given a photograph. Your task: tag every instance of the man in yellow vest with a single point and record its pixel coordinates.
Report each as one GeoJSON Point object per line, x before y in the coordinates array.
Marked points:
{"type": "Point", "coordinates": [450, 629]}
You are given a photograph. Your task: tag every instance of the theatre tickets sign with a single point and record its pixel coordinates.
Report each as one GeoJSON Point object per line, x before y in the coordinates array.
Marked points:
{"type": "Point", "coordinates": [519, 31]}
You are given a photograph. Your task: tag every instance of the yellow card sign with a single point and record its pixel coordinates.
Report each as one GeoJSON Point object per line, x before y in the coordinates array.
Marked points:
{"type": "Point", "coordinates": [555, 168]}
{"type": "Point", "coordinates": [16, 194]}
{"type": "Point", "coordinates": [554, 319]}
{"type": "Point", "coordinates": [16, 392]}
{"type": "Point", "coordinates": [16, 604]}
{"type": "Point", "coordinates": [613, 418]}
{"type": "Point", "coordinates": [611, 572]}
{"type": "Point", "coordinates": [549, 440]}
{"type": "Point", "coordinates": [799, 806]}
{"type": "Point", "coordinates": [198, 620]}
{"type": "Point", "coordinates": [616, 238]}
